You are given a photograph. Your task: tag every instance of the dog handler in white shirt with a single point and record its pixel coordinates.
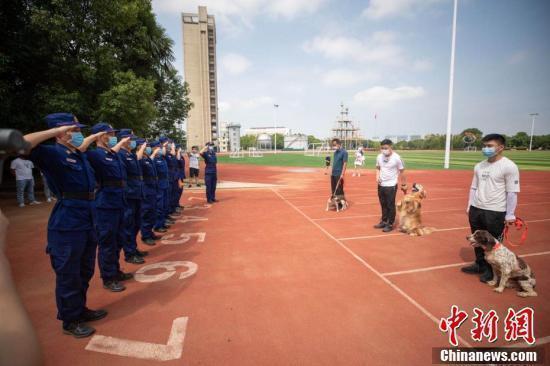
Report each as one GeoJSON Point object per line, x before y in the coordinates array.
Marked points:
{"type": "Point", "coordinates": [389, 169]}
{"type": "Point", "coordinates": [493, 198]}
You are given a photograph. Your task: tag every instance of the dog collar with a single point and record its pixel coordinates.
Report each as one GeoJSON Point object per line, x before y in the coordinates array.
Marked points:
{"type": "Point", "coordinates": [497, 245]}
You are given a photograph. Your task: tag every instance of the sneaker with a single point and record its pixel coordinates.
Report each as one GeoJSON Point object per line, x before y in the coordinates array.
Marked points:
{"type": "Point", "coordinates": [35, 203]}
{"type": "Point", "coordinates": [198, 184]}
{"type": "Point", "coordinates": [78, 329]}
{"type": "Point", "coordinates": [189, 186]}
{"type": "Point", "coordinates": [49, 200]}
{"type": "Point", "coordinates": [149, 242]}
{"type": "Point", "coordinates": [473, 268]}
{"type": "Point", "coordinates": [21, 205]}
{"type": "Point", "coordinates": [114, 286]}
{"type": "Point", "coordinates": [89, 315]}
{"type": "Point", "coordinates": [387, 229]}
{"type": "Point", "coordinates": [135, 259]}
{"type": "Point", "coordinates": [380, 225]}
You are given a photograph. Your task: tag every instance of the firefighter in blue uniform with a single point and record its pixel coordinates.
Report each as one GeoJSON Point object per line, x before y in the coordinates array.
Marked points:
{"type": "Point", "coordinates": [72, 240]}
{"type": "Point", "coordinates": [171, 160]}
{"type": "Point", "coordinates": [163, 186]}
{"type": "Point", "coordinates": [134, 195]}
{"type": "Point", "coordinates": [210, 172]}
{"type": "Point", "coordinates": [180, 175]}
{"type": "Point", "coordinates": [150, 190]}
{"type": "Point", "coordinates": [110, 175]}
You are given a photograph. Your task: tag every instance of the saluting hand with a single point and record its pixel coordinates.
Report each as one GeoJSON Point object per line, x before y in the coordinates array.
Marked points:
{"type": "Point", "coordinates": [63, 129]}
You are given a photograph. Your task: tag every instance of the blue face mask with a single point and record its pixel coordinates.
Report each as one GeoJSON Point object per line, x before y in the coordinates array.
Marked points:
{"type": "Point", "coordinates": [77, 138]}
{"type": "Point", "coordinates": [488, 152]}
{"type": "Point", "coordinates": [112, 141]}
{"type": "Point", "coordinates": [148, 150]}
{"type": "Point", "coordinates": [159, 154]}
{"type": "Point", "coordinates": [132, 145]}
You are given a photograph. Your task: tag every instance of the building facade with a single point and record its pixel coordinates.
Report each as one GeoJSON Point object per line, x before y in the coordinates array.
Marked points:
{"type": "Point", "coordinates": [267, 130]}
{"type": "Point", "coordinates": [199, 61]}
{"type": "Point", "coordinates": [229, 137]}
{"type": "Point", "coordinates": [296, 142]}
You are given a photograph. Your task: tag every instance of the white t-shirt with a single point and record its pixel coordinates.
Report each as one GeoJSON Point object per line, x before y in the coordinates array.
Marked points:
{"type": "Point", "coordinates": [359, 157]}
{"type": "Point", "coordinates": [492, 181]}
{"type": "Point", "coordinates": [23, 168]}
{"type": "Point", "coordinates": [194, 160]}
{"type": "Point", "coordinates": [389, 168]}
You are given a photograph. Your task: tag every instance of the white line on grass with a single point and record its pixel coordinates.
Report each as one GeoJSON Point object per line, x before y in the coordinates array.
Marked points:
{"type": "Point", "coordinates": [433, 268]}
{"type": "Point", "coordinates": [371, 268]}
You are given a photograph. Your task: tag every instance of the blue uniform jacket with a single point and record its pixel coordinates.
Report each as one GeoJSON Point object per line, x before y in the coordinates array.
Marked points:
{"type": "Point", "coordinates": [150, 178]}
{"type": "Point", "coordinates": [67, 171]}
{"type": "Point", "coordinates": [162, 172]}
{"type": "Point", "coordinates": [134, 183]}
{"type": "Point", "coordinates": [108, 169]}
{"type": "Point", "coordinates": [211, 160]}
{"type": "Point", "coordinates": [172, 167]}
{"type": "Point", "coordinates": [180, 171]}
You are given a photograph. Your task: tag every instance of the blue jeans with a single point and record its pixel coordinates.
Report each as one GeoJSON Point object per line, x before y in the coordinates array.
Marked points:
{"type": "Point", "coordinates": [25, 185]}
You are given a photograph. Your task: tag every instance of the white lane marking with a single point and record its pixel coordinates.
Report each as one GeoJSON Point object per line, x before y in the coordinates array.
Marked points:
{"type": "Point", "coordinates": [172, 350]}
{"type": "Point", "coordinates": [426, 269]}
{"type": "Point", "coordinates": [425, 211]}
{"type": "Point", "coordinates": [170, 267]}
{"type": "Point", "coordinates": [436, 230]}
{"type": "Point", "coordinates": [197, 198]}
{"type": "Point", "coordinates": [203, 207]}
{"type": "Point", "coordinates": [184, 238]}
{"type": "Point", "coordinates": [371, 268]}
{"type": "Point", "coordinates": [184, 219]}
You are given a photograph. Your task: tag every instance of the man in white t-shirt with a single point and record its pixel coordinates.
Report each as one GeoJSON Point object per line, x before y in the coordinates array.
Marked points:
{"type": "Point", "coordinates": [493, 198]}
{"type": "Point", "coordinates": [358, 163]}
{"type": "Point", "coordinates": [22, 168]}
{"type": "Point", "coordinates": [194, 165]}
{"type": "Point", "coordinates": [389, 169]}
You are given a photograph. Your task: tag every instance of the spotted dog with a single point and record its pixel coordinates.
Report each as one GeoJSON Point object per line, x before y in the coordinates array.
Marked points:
{"type": "Point", "coordinates": [337, 202]}
{"type": "Point", "coordinates": [511, 269]}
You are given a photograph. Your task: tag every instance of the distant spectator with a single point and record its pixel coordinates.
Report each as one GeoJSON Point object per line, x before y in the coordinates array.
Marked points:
{"type": "Point", "coordinates": [358, 163]}
{"type": "Point", "coordinates": [22, 168]}
{"type": "Point", "coordinates": [47, 191]}
{"type": "Point", "coordinates": [327, 163]}
{"type": "Point", "coordinates": [194, 166]}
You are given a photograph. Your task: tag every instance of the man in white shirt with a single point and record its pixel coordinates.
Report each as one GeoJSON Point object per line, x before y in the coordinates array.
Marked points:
{"type": "Point", "coordinates": [493, 198]}
{"type": "Point", "coordinates": [389, 169]}
{"type": "Point", "coordinates": [22, 168]}
{"type": "Point", "coordinates": [194, 165]}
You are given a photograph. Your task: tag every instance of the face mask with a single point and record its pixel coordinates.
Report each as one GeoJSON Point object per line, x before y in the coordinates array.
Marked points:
{"type": "Point", "coordinates": [386, 152]}
{"type": "Point", "coordinates": [148, 150]}
{"type": "Point", "coordinates": [210, 148]}
{"type": "Point", "coordinates": [334, 147]}
{"type": "Point", "coordinates": [112, 141]}
{"type": "Point", "coordinates": [159, 154]}
{"type": "Point", "coordinates": [489, 152]}
{"type": "Point", "coordinates": [77, 138]}
{"type": "Point", "coordinates": [132, 145]}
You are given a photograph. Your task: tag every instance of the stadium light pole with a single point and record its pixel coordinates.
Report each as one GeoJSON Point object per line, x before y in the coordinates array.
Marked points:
{"type": "Point", "coordinates": [451, 82]}
{"type": "Point", "coordinates": [533, 116]}
{"type": "Point", "coordinates": [276, 106]}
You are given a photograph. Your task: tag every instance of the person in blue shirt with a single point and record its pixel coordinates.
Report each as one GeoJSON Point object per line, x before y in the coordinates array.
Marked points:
{"type": "Point", "coordinates": [180, 175]}
{"type": "Point", "coordinates": [72, 240]}
{"type": "Point", "coordinates": [110, 202]}
{"type": "Point", "coordinates": [134, 195]}
{"type": "Point", "coordinates": [210, 171]}
{"type": "Point", "coordinates": [171, 160]}
{"type": "Point", "coordinates": [161, 224]}
{"type": "Point", "coordinates": [150, 190]}
{"type": "Point", "coordinates": [340, 162]}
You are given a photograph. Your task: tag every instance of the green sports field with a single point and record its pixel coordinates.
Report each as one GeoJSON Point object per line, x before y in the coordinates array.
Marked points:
{"type": "Point", "coordinates": [534, 160]}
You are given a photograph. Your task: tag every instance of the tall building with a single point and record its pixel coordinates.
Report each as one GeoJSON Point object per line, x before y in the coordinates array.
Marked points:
{"type": "Point", "coordinates": [199, 62]}
{"type": "Point", "coordinates": [229, 137]}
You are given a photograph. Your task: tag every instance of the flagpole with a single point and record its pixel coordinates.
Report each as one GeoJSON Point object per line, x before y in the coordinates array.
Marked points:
{"type": "Point", "coordinates": [451, 82]}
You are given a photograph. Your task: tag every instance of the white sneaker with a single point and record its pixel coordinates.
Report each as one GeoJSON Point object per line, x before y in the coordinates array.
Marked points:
{"type": "Point", "coordinates": [21, 205]}
{"type": "Point", "coordinates": [35, 203]}
{"type": "Point", "coordinates": [49, 200]}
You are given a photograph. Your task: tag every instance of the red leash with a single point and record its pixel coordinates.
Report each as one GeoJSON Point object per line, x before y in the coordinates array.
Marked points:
{"type": "Point", "coordinates": [520, 225]}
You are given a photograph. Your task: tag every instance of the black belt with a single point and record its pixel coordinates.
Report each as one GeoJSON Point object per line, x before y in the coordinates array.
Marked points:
{"type": "Point", "coordinates": [150, 179]}
{"type": "Point", "coordinates": [135, 177]}
{"type": "Point", "coordinates": [86, 196]}
{"type": "Point", "coordinates": [113, 183]}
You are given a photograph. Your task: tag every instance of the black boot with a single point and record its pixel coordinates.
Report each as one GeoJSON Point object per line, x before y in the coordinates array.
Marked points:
{"type": "Point", "coordinates": [113, 286]}
{"type": "Point", "coordinates": [78, 329]}
{"type": "Point", "coordinates": [487, 274]}
{"type": "Point", "coordinates": [380, 225]}
{"type": "Point", "coordinates": [89, 315]}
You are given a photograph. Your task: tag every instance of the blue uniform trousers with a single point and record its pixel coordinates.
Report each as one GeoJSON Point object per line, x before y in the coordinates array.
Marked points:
{"type": "Point", "coordinates": [210, 179]}
{"type": "Point", "coordinates": [148, 216]}
{"type": "Point", "coordinates": [132, 223]}
{"type": "Point", "coordinates": [111, 235]}
{"type": "Point", "coordinates": [162, 204]}
{"type": "Point", "coordinates": [175, 197]}
{"type": "Point", "coordinates": [72, 255]}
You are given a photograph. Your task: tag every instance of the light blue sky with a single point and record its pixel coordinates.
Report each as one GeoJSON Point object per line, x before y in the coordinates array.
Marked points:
{"type": "Point", "coordinates": [389, 57]}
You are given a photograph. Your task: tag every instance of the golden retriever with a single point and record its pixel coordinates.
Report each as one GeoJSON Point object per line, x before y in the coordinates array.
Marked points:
{"type": "Point", "coordinates": [409, 211]}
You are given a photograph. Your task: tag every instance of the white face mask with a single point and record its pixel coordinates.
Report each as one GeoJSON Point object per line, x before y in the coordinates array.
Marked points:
{"type": "Point", "coordinates": [386, 152]}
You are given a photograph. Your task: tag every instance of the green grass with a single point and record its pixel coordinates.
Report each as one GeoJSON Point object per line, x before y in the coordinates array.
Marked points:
{"type": "Point", "coordinates": [534, 160]}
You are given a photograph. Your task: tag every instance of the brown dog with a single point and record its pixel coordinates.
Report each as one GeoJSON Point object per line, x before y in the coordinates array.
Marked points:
{"type": "Point", "coordinates": [511, 269]}
{"type": "Point", "coordinates": [409, 210]}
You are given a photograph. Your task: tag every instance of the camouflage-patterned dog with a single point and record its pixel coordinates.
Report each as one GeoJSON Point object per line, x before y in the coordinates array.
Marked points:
{"type": "Point", "coordinates": [511, 269]}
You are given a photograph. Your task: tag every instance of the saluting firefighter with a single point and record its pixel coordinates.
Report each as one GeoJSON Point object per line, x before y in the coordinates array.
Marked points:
{"type": "Point", "coordinates": [210, 171]}
{"type": "Point", "coordinates": [110, 203]}
{"type": "Point", "coordinates": [134, 195]}
{"type": "Point", "coordinates": [150, 192]}
{"type": "Point", "coordinates": [161, 166]}
{"type": "Point", "coordinates": [72, 239]}
{"type": "Point", "coordinates": [180, 175]}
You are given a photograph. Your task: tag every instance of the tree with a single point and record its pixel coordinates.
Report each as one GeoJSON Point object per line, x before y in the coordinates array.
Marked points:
{"type": "Point", "coordinates": [520, 140]}
{"type": "Point", "coordinates": [248, 141]}
{"type": "Point", "coordinates": [280, 141]}
{"type": "Point", "coordinates": [313, 140]}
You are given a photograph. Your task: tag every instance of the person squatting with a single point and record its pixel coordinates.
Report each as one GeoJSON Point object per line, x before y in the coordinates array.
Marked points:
{"type": "Point", "coordinates": [105, 197]}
